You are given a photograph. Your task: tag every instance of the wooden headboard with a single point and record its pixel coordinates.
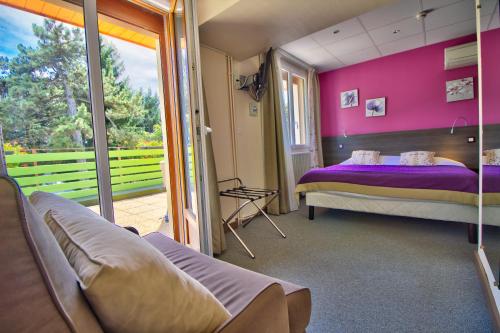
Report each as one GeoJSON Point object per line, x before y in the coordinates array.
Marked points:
{"type": "Point", "coordinates": [339, 148]}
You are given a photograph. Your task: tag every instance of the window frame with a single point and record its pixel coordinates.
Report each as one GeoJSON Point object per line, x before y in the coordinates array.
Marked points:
{"type": "Point", "coordinates": [294, 70]}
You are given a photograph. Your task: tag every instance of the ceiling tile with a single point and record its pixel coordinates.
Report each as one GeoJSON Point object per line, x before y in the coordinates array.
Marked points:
{"type": "Point", "coordinates": [459, 12]}
{"type": "Point", "coordinates": [315, 56]}
{"type": "Point", "coordinates": [350, 45]}
{"type": "Point", "coordinates": [495, 23]}
{"type": "Point", "coordinates": [302, 44]}
{"type": "Point", "coordinates": [330, 67]}
{"type": "Point", "coordinates": [407, 27]}
{"type": "Point", "coordinates": [434, 4]}
{"type": "Point", "coordinates": [333, 63]}
{"type": "Point", "coordinates": [451, 31]}
{"type": "Point", "coordinates": [488, 6]}
{"type": "Point", "coordinates": [390, 14]}
{"type": "Point", "coordinates": [359, 56]}
{"type": "Point", "coordinates": [401, 45]}
{"type": "Point", "coordinates": [346, 29]}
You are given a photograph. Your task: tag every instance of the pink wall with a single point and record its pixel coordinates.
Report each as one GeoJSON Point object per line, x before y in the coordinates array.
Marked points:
{"type": "Point", "coordinates": [413, 83]}
{"type": "Point", "coordinates": [491, 76]}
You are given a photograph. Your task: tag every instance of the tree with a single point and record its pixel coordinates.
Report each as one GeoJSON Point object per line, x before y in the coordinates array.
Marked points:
{"type": "Point", "coordinates": [44, 98]}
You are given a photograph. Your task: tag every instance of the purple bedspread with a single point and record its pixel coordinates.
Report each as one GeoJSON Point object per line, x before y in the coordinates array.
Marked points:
{"type": "Point", "coordinates": [441, 177]}
{"type": "Point", "coordinates": [491, 179]}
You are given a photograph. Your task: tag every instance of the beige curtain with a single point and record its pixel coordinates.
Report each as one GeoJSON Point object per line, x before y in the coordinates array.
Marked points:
{"type": "Point", "coordinates": [278, 160]}
{"type": "Point", "coordinates": [314, 119]}
{"type": "Point", "coordinates": [218, 236]}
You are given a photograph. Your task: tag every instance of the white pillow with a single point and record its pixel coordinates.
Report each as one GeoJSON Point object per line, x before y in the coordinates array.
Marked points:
{"type": "Point", "coordinates": [131, 286]}
{"type": "Point", "coordinates": [365, 157]}
{"type": "Point", "coordinates": [394, 160]}
{"type": "Point", "coordinates": [492, 156]}
{"type": "Point", "coordinates": [417, 158]}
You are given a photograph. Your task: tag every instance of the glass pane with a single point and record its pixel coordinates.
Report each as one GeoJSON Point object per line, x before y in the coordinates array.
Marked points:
{"type": "Point", "coordinates": [44, 102]}
{"type": "Point", "coordinates": [299, 121]}
{"type": "Point", "coordinates": [286, 97]}
{"type": "Point", "coordinates": [185, 110]}
{"type": "Point", "coordinates": [490, 53]}
{"type": "Point", "coordinates": [136, 130]}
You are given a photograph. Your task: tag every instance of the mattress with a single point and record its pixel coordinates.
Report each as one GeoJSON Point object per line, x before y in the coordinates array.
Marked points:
{"type": "Point", "coordinates": [491, 185]}
{"type": "Point", "coordinates": [427, 209]}
{"type": "Point", "coordinates": [427, 183]}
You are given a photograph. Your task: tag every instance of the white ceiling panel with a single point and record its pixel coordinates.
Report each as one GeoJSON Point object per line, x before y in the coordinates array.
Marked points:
{"type": "Point", "coordinates": [390, 14]}
{"type": "Point", "coordinates": [434, 4]}
{"type": "Point", "coordinates": [359, 56]}
{"type": "Point", "coordinates": [318, 56]}
{"type": "Point", "coordinates": [495, 23]}
{"type": "Point", "coordinates": [327, 68]}
{"type": "Point", "coordinates": [371, 35]}
{"type": "Point", "coordinates": [488, 6]}
{"type": "Point", "coordinates": [301, 45]}
{"type": "Point", "coordinates": [345, 29]}
{"type": "Point", "coordinates": [331, 64]}
{"type": "Point", "coordinates": [451, 31]}
{"type": "Point", "coordinates": [401, 45]}
{"type": "Point", "coordinates": [407, 27]}
{"type": "Point", "coordinates": [459, 12]}
{"type": "Point", "coordinates": [350, 45]}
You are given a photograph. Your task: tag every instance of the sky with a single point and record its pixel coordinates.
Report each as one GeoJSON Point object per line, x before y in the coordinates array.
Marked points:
{"type": "Point", "coordinates": [140, 62]}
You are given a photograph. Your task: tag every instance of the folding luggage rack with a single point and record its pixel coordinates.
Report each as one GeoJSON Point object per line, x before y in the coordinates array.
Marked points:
{"type": "Point", "coordinates": [250, 195]}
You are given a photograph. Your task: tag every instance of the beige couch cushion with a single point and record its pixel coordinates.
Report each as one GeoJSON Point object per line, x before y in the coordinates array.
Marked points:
{"type": "Point", "coordinates": [130, 285]}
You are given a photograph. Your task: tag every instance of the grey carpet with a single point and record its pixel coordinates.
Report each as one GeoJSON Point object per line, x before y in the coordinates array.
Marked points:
{"type": "Point", "coordinates": [372, 273]}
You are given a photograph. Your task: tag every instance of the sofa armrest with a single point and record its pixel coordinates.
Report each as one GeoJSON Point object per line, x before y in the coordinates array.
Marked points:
{"type": "Point", "coordinates": [267, 313]}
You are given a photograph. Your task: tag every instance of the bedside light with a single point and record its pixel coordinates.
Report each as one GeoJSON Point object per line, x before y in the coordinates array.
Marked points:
{"type": "Point", "coordinates": [455, 122]}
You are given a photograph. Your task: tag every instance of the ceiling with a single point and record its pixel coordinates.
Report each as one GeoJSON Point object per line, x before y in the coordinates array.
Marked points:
{"type": "Point", "coordinates": [391, 29]}
{"type": "Point", "coordinates": [243, 28]}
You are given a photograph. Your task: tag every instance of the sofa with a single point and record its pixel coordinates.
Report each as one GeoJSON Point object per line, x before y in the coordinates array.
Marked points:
{"type": "Point", "coordinates": [40, 290]}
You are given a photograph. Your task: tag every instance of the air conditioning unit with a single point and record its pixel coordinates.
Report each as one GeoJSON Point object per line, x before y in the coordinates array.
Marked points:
{"type": "Point", "coordinates": [460, 56]}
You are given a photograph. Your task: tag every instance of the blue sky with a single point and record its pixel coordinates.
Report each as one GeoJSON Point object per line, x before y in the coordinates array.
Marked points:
{"type": "Point", "coordinates": [140, 62]}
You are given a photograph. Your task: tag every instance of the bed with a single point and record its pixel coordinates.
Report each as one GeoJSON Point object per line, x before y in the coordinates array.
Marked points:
{"type": "Point", "coordinates": [446, 191]}
{"type": "Point", "coordinates": [491, 194]}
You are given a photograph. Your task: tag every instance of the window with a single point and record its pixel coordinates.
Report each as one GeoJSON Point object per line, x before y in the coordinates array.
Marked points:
{"type": "Point", "coordinates": [294, 97]}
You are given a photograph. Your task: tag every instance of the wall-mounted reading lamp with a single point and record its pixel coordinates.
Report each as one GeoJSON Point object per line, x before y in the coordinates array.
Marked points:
{"type": "Point", "coordinates": [455, 122]}
{"type": "Point", "coordinates": [345, 135]}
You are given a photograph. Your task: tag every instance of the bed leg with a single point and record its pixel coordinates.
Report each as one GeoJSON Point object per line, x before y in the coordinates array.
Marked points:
{"type": "Point", "coordinates": [472, 233]}
{"type": "Point", "coordinates": [311, 213]}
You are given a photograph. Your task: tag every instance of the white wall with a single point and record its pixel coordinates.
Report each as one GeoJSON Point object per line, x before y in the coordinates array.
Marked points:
{"type": "Point", "coordinates": [237, 136]}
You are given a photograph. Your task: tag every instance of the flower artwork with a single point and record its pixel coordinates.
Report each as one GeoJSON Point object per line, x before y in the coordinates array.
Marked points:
{"type": "Point", "coordinates": [349, 99]}
{"type": "Point", "coordinates": [375, 107]}
{"type": "Point", "coordinates": [459, 90]}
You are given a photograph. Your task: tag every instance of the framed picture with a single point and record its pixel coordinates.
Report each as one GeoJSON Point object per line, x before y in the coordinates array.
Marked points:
{"type": "Point", "coordinates": [375, 107]}
{"type": "Point", "coordinates": [349, 99]}
{"type": "Point", "coordinates": [459, 90]}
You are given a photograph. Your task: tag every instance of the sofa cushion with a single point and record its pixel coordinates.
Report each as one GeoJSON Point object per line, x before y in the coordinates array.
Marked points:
{"type": "Point", "coordinates": [40, 292]}
{"type": "Point", "coordinates": [234, 286]}
{"type": "Point", "coordinates": [130, 285]}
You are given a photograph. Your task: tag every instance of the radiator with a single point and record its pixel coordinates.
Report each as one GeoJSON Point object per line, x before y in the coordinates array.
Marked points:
{"type": "Point", "coordinates": [301, 164]}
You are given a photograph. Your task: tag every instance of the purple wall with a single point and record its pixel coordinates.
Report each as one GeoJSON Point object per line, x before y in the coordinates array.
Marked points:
{"type": "Point", "coordinates": [414, 84]}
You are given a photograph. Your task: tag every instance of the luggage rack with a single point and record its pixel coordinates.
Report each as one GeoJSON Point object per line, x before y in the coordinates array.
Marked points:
{"type": "Point", "coordinates": [250, 194]}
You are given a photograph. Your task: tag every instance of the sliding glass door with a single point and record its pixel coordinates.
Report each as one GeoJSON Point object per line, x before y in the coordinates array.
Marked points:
{"type": "Point", "coordinates": [45, 108]}
{"type": "Point", "coordinates": [99, 103]}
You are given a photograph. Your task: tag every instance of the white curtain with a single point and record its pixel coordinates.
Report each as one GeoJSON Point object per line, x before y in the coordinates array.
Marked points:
{"type": "Point", "coordinates": [314, 116]}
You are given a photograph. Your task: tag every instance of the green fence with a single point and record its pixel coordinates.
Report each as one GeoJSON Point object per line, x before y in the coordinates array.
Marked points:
{"type": "Point", "coordinates": [73, 174]}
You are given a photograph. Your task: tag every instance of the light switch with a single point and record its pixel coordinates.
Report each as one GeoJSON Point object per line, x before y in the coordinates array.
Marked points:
{"type": "Point", "coordinates": [253, 109]}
